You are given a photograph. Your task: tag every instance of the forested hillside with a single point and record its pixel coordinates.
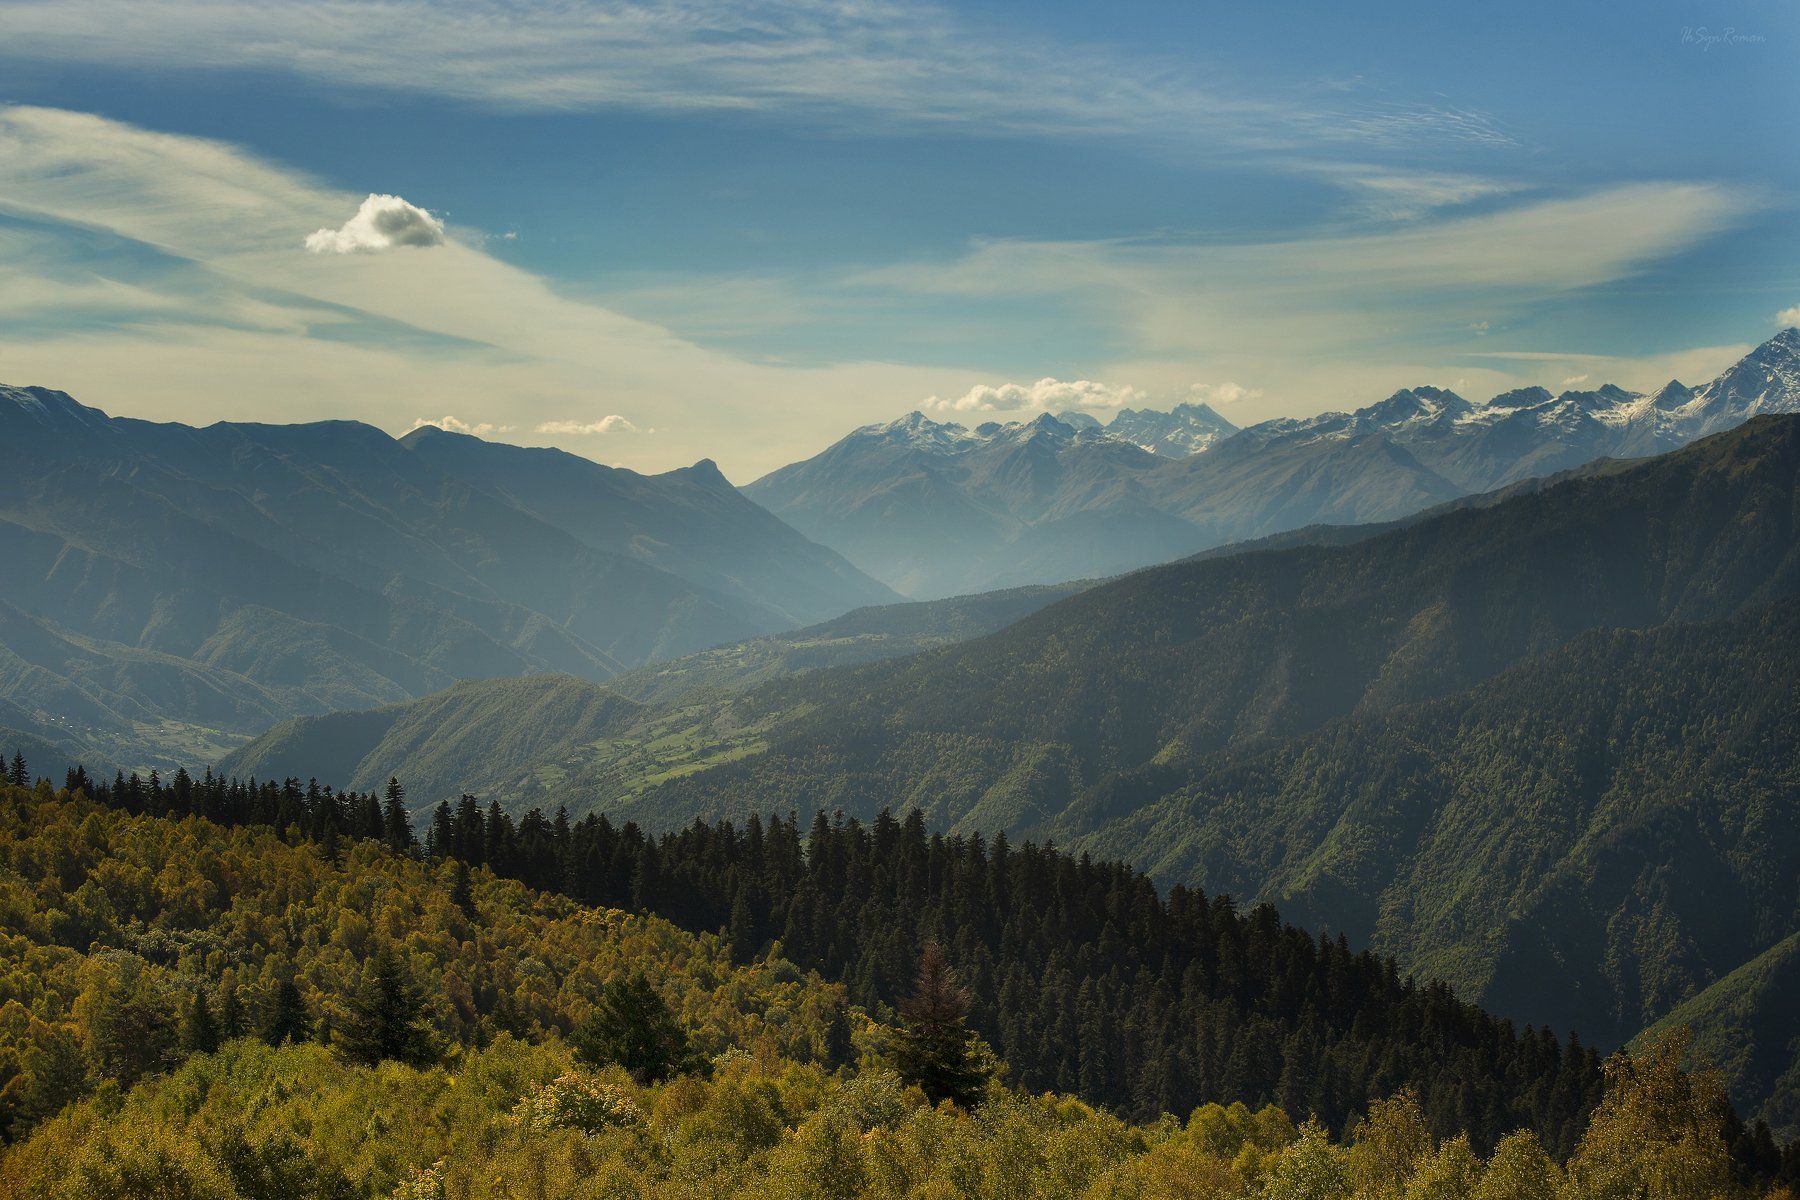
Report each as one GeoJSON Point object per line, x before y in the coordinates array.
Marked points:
{"type": "Point", "coordinates": [1589, 842]}
{"type": "Point", "coordinates": [1084, 979]}
{"type": "Point", "coordinates": [121, 930]}
{"type": "Point", "coordinates": [1161, 668]}
{"type": "Point", "coordinates": [485, 736]}
{"type": "Point", "coordinates": [1589, 839]}
{"type": "Point", "coordinates": [1748, 1025]}
{"type": "Point", "coordinates": [516, 1120]}
{"type": "Point", "coordinates": [330, 1018]}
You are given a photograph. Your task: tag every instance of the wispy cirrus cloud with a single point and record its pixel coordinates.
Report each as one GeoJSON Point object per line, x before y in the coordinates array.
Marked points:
{"type": "Point", "coordinates": [166, 277]}
{"type": "Point", "coordinates": [1334, 293]}
{"type": "Point", "coordinates": [917, 64]}
{"type": "Point", "coordinates": [1391, 194]}
{"type": "Point", "coordinates": [1565, 369]}
{"type": "Point", "coordinates": [1335, 320]}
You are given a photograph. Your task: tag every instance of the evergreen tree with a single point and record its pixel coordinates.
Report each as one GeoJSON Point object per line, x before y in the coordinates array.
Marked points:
{"type": "Point", "coordinates": [19, 776]}
{"type": "Point", "coordinates": [631, 1025]}
{"type": "Point", "coordinates": [386, 1017]}
{"type": "Point", "coordinates": [130, 1029]}
{"type": "Point", "coordinates": [460, 892]}
{"type": "Point", "coordinates": [396, 827]}
{"type": "Point", "coordinates": [231, 1014]}
{"type": "Point", "coordinates": [287, 1019]}
{"type": "Point", "coordinates": [199, 1032]}
{"type": "Point", "coordinates": [934, 1047]}
{"type": "Point", "coordinates": [740, 930]}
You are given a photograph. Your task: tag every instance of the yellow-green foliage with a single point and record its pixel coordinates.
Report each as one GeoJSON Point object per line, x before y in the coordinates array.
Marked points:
{"type": "Point", "coordinates": [105, 919]}
{"type": "Point", "coordinates": [110, 923]}
{"type": "Point", "coordinates": [518, 1121]}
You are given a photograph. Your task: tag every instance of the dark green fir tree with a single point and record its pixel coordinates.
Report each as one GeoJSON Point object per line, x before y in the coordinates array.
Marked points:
{"type": "Point", "coordinates": [631, 1025]}
{"type": "Point", "coordinates": [934, 1048]}
{"type": "Point", "coordinates": [386, 1017]}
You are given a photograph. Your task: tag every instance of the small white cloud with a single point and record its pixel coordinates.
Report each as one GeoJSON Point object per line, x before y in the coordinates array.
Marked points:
{"type": "Point", "coordinates": [1572, 380]}
{"type": "Point", "coordinates": [381, 223]}
{"type": "Point", "coordinates": [1045, 394]}
{"type": "Point", "coordinates": [608, 424]}
{"type": "Point", "coordinates": [1478, 328]}
{"type": "Point", "coordinates": [458, 425]}
{"type": "Point", "coordinates": [1223, 393]}
{"type": "Point", "coordinates": [1788, 318]}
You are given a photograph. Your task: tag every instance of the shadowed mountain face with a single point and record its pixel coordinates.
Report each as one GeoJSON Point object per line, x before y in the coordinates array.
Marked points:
{"type": "Point", "coordinates": [934, 509]}
{"type": "Point", "coordinates": [691, 523]}
{"type": "Point", "coordinates": [171, 589]}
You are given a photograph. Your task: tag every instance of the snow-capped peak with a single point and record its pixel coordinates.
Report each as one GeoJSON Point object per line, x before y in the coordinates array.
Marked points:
{"type": "Point", "coordinates": [917, 429]}
{"type": "Point", "coordinates": [1766, 380]}
{"type": "Point", "coordinates": [47, 406]}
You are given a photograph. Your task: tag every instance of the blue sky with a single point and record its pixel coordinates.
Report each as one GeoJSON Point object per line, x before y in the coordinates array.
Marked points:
{"type": "Point", "coordinates": [658, 231]}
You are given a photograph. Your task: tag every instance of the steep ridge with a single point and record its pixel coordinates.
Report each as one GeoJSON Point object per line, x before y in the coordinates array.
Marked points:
{"type": "Point", "coordinates": [1747, 1026]}
{"type": "Point", "coordinates": [1543, 748]}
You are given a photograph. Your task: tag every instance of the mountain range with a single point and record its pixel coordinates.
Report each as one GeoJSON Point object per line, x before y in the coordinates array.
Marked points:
{"type": "Point", "coordinates": [1183, 430]}
{"type": "Point", "coordinates": [933, 508]}
{"type": "Point", "coordinates": [171, 590]}
{"type": "Point", "coordinates": [1542, 747]}
{"type": "Point", "coordinates": [1538, 742]}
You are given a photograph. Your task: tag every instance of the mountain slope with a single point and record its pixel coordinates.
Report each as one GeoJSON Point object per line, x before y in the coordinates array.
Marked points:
{"type": "Point", "coordinates": [1145, 675]}
{"type": "Point", "coordinates": [523, 741]}
{"type": "Point", "coordinates": [1545, 749]}
{"type": "Point", "coordinates": [263, 571]}
{"type": "Point", "coordinates": [690, 522]}
{"type": "Point", "coordinates": [863, 636]}
{"type": "Point", "coordinates": [1184, 430]}
{"type": "Point", "coordinates": [1748, 1026]}
{"type": "Point", "coordinates": [477, 736]}
{"type": "Point", "coordinates": [1588, 840]}
{"type": "Point", "coordinates": [937, 510]}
